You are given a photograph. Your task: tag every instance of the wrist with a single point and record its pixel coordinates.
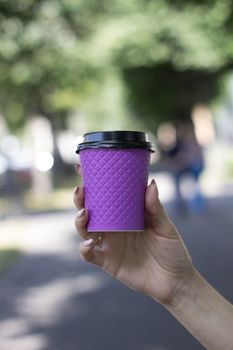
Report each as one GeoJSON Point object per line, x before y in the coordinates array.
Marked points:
{"type": "Point", "coordinates": [177, 288]}
{"type": "Point", "coordinates": [204, 313]}
{"type": "Point", "coordinates": [186, 292]}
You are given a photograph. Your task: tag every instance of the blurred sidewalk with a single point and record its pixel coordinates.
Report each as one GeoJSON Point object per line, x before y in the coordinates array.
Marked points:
{"type": "Point", "coordinates": [53, 300]}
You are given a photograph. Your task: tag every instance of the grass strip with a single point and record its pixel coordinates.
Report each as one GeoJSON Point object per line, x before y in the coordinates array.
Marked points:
{"type": "Point", "coordinates": [8, 257]}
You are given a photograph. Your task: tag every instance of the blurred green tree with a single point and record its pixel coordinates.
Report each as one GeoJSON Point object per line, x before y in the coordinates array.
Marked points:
{"type": "Point", "coordinates": [44, 68]}
{"type": "Point", "coordinates": [56, 55]}
{"type": "Point", "coordinates": [172, 54]}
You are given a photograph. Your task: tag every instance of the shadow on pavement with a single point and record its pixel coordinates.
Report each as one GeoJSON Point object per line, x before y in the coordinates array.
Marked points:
{"type": "Point", "coordinates": [58, 302]}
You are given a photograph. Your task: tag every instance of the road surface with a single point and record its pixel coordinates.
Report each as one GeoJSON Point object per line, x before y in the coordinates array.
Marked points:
{"type": "Point", "coordinates": [52, 300]}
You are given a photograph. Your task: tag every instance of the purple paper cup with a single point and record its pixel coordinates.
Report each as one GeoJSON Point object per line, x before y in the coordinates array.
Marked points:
{"type": "Point", "coordinates": [115, 173]}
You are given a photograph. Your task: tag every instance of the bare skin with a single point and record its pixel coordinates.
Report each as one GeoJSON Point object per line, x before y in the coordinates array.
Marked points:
{"type": "Point", "coordinates": [138, 259]}
{"type": "Point", "coordinates": [157, 263]}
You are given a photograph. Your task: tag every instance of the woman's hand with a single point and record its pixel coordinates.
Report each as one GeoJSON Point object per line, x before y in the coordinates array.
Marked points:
{"type": "Point", "coordinates": [154, 262]}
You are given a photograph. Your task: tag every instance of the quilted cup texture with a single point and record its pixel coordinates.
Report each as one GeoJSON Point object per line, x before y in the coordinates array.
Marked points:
{"type": "Point", "coordinates": [114, 183]}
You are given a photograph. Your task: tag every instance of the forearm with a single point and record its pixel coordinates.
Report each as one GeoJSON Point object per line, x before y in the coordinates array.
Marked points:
{"type": "Point", "coordinates": [205, 314]}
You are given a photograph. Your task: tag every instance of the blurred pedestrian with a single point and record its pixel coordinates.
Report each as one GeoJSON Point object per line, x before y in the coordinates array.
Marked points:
{"type": "Point", "coordinates": [184, 158]}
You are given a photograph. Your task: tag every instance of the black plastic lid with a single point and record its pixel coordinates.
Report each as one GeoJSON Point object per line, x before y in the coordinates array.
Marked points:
{"type": "Point", "coordinates": [115, 139]}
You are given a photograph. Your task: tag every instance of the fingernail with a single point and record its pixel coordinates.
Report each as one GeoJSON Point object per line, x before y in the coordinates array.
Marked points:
{"type": "Point", "coordinates": [153, 182]}
{"type": "Point", "coordinates": [81, 212]}
{"type": "Point", "coordinates": [76, 190]}
{"type": "Point", "coordinates": [88, 242]}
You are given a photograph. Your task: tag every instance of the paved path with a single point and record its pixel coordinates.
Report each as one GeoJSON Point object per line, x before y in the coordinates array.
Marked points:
{"type": "Point", "coordinates": [51, 300]}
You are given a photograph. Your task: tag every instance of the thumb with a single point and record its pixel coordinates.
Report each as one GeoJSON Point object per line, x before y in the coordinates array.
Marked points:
{"type": "Point", "coordinates": [156, 216]}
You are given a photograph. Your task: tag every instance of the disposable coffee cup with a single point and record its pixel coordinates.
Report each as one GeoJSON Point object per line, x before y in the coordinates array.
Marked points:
{"type": "Point", "coordinates": [115, 173]}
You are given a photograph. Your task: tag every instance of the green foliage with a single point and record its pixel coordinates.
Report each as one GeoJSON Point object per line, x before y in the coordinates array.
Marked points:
{"type": "Point", "coordinates": [194, 35]}
{"type": "Point", "coordinates": [8, 257]}
{"type": "Point", "coordinates": [41, 55]}
{"type": "Point", "coordinates": [58, 55]}
{"type": "Point", "coordinates": [109, 105]}
{"type": "Point", "coordinates": [172, 54]}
